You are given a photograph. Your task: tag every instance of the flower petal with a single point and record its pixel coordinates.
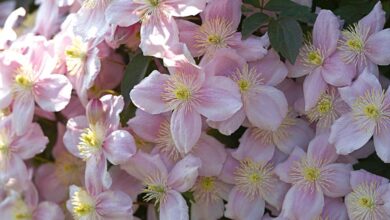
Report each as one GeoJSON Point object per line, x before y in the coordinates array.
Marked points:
{"type": "Point", "coordinates": [119, 146]}
{"type": "Point", "coordinates": [31, 143]}
{"type": "Point", "coordinates": [337, 175]}
{"type": "Point", "coordinates": [377, 47]}
{"type": "Point", "coordinates": [313, 86]}
{"type": "Point", "coordinates": [147, 94]}
{"type": "Point", "coordinates": [382, 144]}
{"type": "Point", "coordinates": [375, 20]}
{"type": "Point", "coordinates": [114, 205]}
{"type": "Point", "coordinates": [183, 175]}
{"type": "Point", "coordinates": [230, 125]}
{"type": "Point", "coordinates": [336, 72]}
{"type": "Point", "coordinates": [23, 112]}
{"type": "Point", "coordinates": [174, 207]}
{"type": "Point", "coordinates": [48, 210]}
{"type": "Point", "coordinates": [326, 32]}
{"type": "Point", "coordinates": [123, 12]}
{"type": "Point", "coordinates": [239, 206]}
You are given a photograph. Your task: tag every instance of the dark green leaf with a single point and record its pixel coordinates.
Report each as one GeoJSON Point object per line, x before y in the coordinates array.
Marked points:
{"type": "Point", "coordinates": [134, 73]}
{"type": "Point", "coordinates": [286, 37]}
{"type": "Point", "coordinates": [288, 8]}
{"type": "Point", "coordinates": [373, 164]}
{"type": "Point", "coordinates": [352, 13]}
{"type": "Point", "coordinates": [255, 3]}
{"type": "Point", "coordinates": [252, 23]}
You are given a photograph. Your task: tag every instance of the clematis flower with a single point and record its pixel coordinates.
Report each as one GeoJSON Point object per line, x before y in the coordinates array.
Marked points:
{"type": "Point", "coordinates": [27, 79]}
{"type": "Point", "coordinates": [96, 202]}
{"type": "Point", "coordinates": [365, 44]}
{"type": "Point", "coordinates": [190, 94]}
{"type": "Point", "coordinates": [320, 61]}
{"type": "Point", "coordinates": [263, 104]}
{"type": "Point", "coordinates": [369, 198]}
{"type": "Point", "coordinates": [158, 30]}
{"type": "Point", "coordinates": [95, 137]}
{"type": "Point", "coordinates": [53, 179]}
{"type": "Point", "coordinates": [163, 186]}
{"type": "Point", "coordinates": [369, 116]}
{"type": "Point", "coordinates": [25, 205]}
{"type": "Point", "coordinates": [329, 107]}
{"type": "Point", "coordinates": [251, 172]}
{"type": "Point", "coordinates": [16, 148]}
{"type": "Point", "coordinates": [220, 21]}
{"type": "Point", "coordinates": [291, 133]}
{"type": "Point", "coordinates": [313, 175]}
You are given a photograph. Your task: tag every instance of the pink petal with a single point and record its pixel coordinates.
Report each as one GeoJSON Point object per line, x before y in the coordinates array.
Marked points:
{"type": "Point", "coordinates": [365, 82]}
{"type": "Point", "coordinates": [334, 209]}
{"type": "Point", "coordinates": [219, 98]}
{"type": "Point", "coordinates": [326, 32]}
{"type": "Point", "coordinates": [276, 197]}
{"type": "Point", "coordinates": [49, 185]}
{"type": "Point", "coordinates": [74, 127]}
{"type": "Point", "coordinates": [251, 49]}
{"type": "Point", "coordinates": [143, 165]}
{"type": "Point", "coordinates": [122, 181]}
{"type": "Point", "coordinates": [336, 72]}
{"type": "Point", "coordinates": [299, 68]}
{"type": "Point", "coordinates": [337, 176]}
{"type": "Point", "coordinates": [119, 146]}
{"type": "Point", "coordinates": [253, 148]}
{"type": "Point", "coordinates": [23, 112]}
{"type": "Point", "coordinates": [377, 47]}
{"type": "Point", "coordinates": [113, 105]}
{"type": "Point", "coordinates": [183, 175]}
{"type": "Point", "coordinates": [185, 8]}
{"type": "Point", "coordinates": [272, 69]}
{"type": "Point", "coordinates": [230, 125]}
{"type": "Point", "coordinates": [31, 143]}
{"type": "Point", "coordinates": [147, 94]}
{"type": "Point", "coordinates": [211, 210]}
{"type": "Point", "coordinates": [229, 10]}
{"type": "Point", "coordinates": [229, 167]}
{"type": "Point", "coordinates": [158, 33]}
{"type": "Point", "coordinates": [313, 86]}
{"type": "Point", "coordinates": [174, 207]}
{"type": "Point", "coordinates": [225, 62]}
{"type": "Point", "coordinates": [97, 179]}
{"type": "Point", "coordinates": [265, 107]}
{"type": "Point", "coordinates": [348, 136]}
{"type": "Point", "coordinates": [282, 170]}
{"type": "Point", "coordinates": [303, 204]}
{"type": "Point", "coordinates": [187, 31]}
{"type": "Point", "coordinates": [123, 12]}
{"type": "Point", "coordinates": [382, 144]}
{"type": "Point", "coordinates": [146, 125]}
{"type": "Point", "coordinates": [240, 206]}
{"type": "Point", "coordinates": [359, 177]}
{"type": "Point", "coordinates": [13, 166]}
{"type": "Point", "coordinates": [114, 205]}
{"type": "Point", "coordinates": [375, 20]}
{"type": "Point", "coordinates": [299, 135]}
{"type": "Point", "coordinates": [320, 149]}
{"type": "Point", "coordinates": [48, 210]}
{"type": "Point", "coordinates": [186, 126]}
{"type": "Point", "coordinates": [212, 155]}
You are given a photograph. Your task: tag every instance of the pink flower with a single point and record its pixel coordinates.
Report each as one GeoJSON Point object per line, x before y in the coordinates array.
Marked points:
{"type": "Point", "coordinates": [220, 21]}
{"type": "Point", "coordinates": [365, 44]}
{"type": "Point", "coordinates": [96, 202]}
{"type": "Point", "coordinates": [25, 205]}
{"type": "Point", "coordinates": [7, 34]}
{"type": "Point", "coordinates": [320, 60]}
{"type": "Point", "coordinates": [369, 116]}
{"type": "Point", "coordinates": [369, 198]}
{"type": "Point", "coordinates": [95, 137]}
{"type": "Point", "coordinates": [158, 30]}
{"type": "Point", "coordinates": [263, 104]}
{"type": "Point", "coordinates": [313, 175]}
{"type": "Point", "coordinates": [27, 79]}
{"type": "Point", "coordinates": [53, 179]}
{"type": "Point", "coordinates": [190, 94]}
{"type": "Point", "coordinates": [163, 186]}
{"type": "Point", "coordinates": [16, 148]}
{"type": "Point", "coordinates": [251, 172]}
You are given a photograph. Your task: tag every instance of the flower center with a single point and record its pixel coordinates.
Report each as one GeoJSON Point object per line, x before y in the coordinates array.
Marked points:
{"type": "Point", "coordinates": [366, 202]}
{"type": "Point", "coordinates": [243, 85]}
{"type": "Point", "coordinates": [182, 93]}
{"type": "Point", "coordinates": [356, 45]}
{"type": "Point", "coordinates": [75, 55]}
{"type": "Point", "coordinates": [82, 204]}
{"type": "Point", "coordinates": [207, 183]}
{"type": "Point", "coordinates": [214, 39]}
{"type": "Point", "coordinates": [91, 140]}
{"type": "Point", "coordinates": [154, 3]}
{"type": "Point", "coordinates": [314, 57]}
{"type": "Point", "coordinates": [21, 211]}
{"type": "Point", "coordinates": [324, 105]}
{"type": "Point", "coordinates": [154, 192]}
{"type": "Point", "coordinates": [311, 174]}
{"type": "Point", "coordinates": [371, 111]}
{"type": "Point", "coordinates": [254, 179]}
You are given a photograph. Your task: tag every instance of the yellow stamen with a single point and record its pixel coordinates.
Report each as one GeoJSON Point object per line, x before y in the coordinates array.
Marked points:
{"type": "Point", "coordinates": [371, 111]}
{"type": "Point", "coordinates": [243, 85]}
{"type": "Point", "coordinates": [311, 173]}
{"type": "Point", "coordinates": [314, 57]}
{"type": "Point", "coordinates": [82, 204]}
{"type": "Point", "coordinates": [182, 93]}
{"type": "Point", "coordinates": [207, 183]}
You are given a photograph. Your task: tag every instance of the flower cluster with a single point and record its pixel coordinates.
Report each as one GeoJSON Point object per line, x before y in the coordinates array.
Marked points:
{"type": "Point", "coordinates": [69, 150]}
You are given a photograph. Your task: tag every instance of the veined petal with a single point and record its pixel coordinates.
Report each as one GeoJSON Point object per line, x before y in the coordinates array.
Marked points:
{"type": "Point", "coordinates": [183, 175]}
{"type": "Point", "coordinates": [119, 146]}
{"type": "Point", "coordinates": [239, 206]}
{"type": "Point", "coordinates": [124, 12]}
{"type": "Point", "coordinates": [382, 144]}
{"type": "Point", "coordinates": [326, 32]}
{"type": "Point", "coordinates": [23, 112]}
{"type": "Point", "coordinates": [174, 207]}
{"type": "Point", "coordinates": [378, 47]}
{"type": "Point", "coordinates": [313, 86]}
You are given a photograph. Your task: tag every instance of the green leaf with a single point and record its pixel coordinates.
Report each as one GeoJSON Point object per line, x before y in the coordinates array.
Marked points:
{"type": "Point", "coordinates": [134, 73]}
{"type": "Point", "coordinates": [252, 23]}
{"type": "Point", "coordinates": [287, 8]}
{"type": "Point", "coordinates": [255, 3]}
{"type": "Point", "coordinates": [286, 37]}
{"type": "Point", "coordinates": [373, 164]}
{"type": "Point", "coordinates": [352, 13]}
